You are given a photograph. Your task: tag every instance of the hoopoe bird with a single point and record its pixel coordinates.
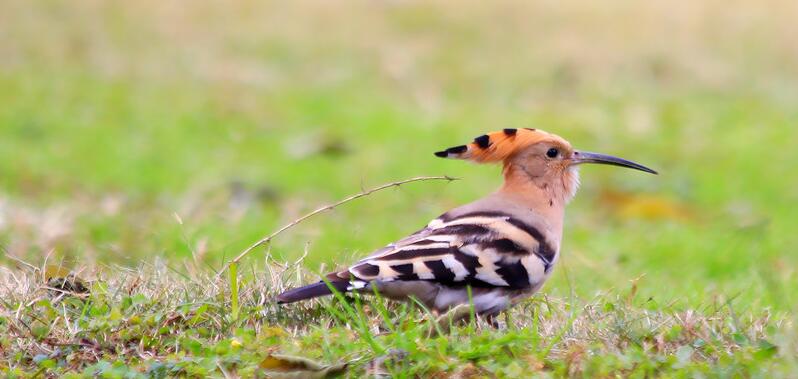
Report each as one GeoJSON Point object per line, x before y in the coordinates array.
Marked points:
{"type": "Point", "coordinates": [502, 246]}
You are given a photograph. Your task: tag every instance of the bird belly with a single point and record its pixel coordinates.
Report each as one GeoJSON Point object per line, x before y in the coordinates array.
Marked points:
{"type": "Point", "coordinates": [441, 298]}
{"type": "Point", "coordinates": [487, 301]}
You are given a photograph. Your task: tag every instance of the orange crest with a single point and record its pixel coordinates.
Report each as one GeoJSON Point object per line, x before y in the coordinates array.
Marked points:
{"type": "Point", "coordinates": [496, 146]}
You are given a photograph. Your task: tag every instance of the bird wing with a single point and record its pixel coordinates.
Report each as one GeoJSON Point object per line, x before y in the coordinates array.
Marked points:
{"type": "Point", "coordinates": [481, 248]}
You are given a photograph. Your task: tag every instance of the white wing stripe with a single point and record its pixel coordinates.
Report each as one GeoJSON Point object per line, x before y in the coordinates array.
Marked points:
{"type": "Point", "coordinates": [459, 270]}
{"type": "Point", "coordinates": [487, 273]}
{"type": "Point", "coordinates": [422, 270]}
{"type": "Point", "coordinates": [411, 247]}
{"type": "Point", "coordinates": [535, 269]}
{"type": "Point", "coordinates": [497, 224]}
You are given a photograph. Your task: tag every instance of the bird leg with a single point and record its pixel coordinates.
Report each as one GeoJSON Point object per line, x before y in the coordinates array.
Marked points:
{"type": "Point", "coordinates": [492, 321]}
{"type": "Point", "coordinates": [444, 322]}
{"type": "Point", "coordinates": [460, 314]}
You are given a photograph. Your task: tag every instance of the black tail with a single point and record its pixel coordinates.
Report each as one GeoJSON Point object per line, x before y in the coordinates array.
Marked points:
{"type": "Point", "coordinates": [311, 291]}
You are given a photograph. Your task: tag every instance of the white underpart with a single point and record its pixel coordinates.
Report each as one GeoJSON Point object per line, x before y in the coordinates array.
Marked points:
{"type": "Point", "coordinates": [449, 297]}
{"type": "Point", "coordinates": [491, 301]}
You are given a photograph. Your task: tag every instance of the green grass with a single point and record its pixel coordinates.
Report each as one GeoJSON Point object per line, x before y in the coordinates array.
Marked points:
{"type": "Point", "coordinates": [150, 321]}
{"type": "Point", "coordinates": [144, 146]}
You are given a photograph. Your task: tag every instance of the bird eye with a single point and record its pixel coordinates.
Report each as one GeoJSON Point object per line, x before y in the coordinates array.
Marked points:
{"type": "Point", "coordinates": [552, 153]}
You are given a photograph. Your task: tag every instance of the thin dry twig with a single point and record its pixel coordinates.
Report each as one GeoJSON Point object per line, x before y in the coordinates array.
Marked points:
{"type": "Point", "coordinates": [328, 207]}
{"type": "Point", "coordinates": [20, 261]}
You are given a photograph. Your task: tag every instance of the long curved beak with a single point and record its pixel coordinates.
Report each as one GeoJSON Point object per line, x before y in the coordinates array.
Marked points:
{"type": "Point", "coordinates": [588, 157]}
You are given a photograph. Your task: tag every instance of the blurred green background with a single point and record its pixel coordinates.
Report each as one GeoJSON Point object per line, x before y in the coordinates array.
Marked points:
{"type": "Point", "coordinates": [187, 130]}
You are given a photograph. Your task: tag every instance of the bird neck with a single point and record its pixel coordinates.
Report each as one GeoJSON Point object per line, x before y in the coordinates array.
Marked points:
{"type": "Point", "coordinates": [538, 194]}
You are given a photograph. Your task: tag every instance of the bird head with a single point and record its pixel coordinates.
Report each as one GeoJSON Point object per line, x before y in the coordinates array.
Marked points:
{"type": "Point", "coordinates": [534, 157]}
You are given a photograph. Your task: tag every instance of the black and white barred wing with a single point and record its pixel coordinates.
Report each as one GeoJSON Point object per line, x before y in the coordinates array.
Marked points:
{"type": "Point", "coordinates": [482, 249]}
